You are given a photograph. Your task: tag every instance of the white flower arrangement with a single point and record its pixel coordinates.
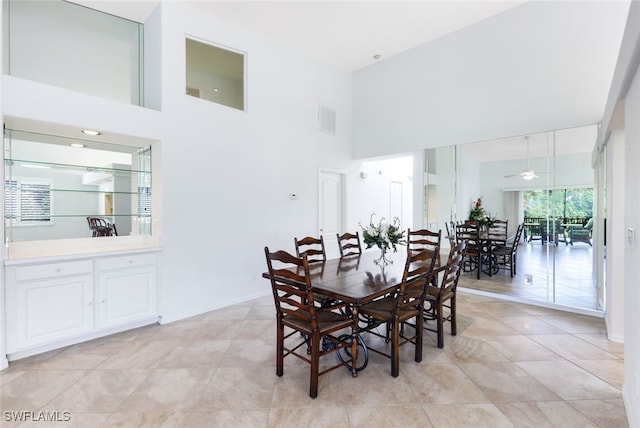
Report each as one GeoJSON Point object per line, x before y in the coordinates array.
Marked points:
{"type": "Point", "coordinates": [384, 235]}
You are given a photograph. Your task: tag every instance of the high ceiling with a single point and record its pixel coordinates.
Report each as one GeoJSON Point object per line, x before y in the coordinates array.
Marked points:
{"type": "Point", "coordinates": [346, 34]}
{"type": "Point", "coordinates": [553, 67]}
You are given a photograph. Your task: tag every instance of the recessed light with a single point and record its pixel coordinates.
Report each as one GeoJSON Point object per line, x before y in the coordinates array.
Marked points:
{"type": "Point", "coordinates": [215, 89]}
{"type": "Point", "coordinates": [76, 145]}
{"type": "Point", "coordinates": [90, 132]}
{"type": "Point", "coordinates": [27, 165]}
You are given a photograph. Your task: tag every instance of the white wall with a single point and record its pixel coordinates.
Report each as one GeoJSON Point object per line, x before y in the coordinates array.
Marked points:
{"type": "Point", "coordinates": [221, 177]}
{"type": "Point", "coordinates": [227, 173]}
{"type": "Point", "coordinates": [3, 355]}
{"type": "Point", "coordinates": [632, 254]}
{"type": "Point", "coordinates": [483, 82]}
{"type": "Point", "coordinates": [615, 250]}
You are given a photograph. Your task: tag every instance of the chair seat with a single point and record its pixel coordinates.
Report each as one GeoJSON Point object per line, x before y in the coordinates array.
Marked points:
{"type": "Point", "coordinates": [433, 293]}
{"type": "Point", "coordinates": [382, 309]}
{"type": "Point", "coordinates": [502, 249]}
{"type": "Point", "coordinates": [327, 321]}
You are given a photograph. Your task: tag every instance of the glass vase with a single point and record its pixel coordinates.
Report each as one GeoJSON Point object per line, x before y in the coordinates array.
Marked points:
{"type": "Point", "coordinates": [383, 260]}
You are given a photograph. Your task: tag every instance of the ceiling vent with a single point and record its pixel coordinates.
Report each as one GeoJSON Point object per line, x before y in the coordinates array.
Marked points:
{"type": "Point", "coordinates": [327, 120]}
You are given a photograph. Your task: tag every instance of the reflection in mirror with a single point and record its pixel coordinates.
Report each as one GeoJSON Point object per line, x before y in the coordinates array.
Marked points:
{"type": "Point", "coordinates": [544, 180]}
{"type": "Point", "coordinates": [55, 185]}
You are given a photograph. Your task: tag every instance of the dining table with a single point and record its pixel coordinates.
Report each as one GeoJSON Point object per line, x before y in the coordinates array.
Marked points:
{"type": "Point", "coordinates": [358, 279]}
{"type": "Point", "coordinates": [488, 261]}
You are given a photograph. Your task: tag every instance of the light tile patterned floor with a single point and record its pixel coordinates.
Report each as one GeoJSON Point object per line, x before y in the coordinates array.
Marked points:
{"type": "Point", "coordinates": [511, 365]}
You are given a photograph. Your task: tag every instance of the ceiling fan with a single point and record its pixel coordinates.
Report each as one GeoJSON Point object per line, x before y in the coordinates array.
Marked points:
{"type": "Point", "coordinates": [527, 174]}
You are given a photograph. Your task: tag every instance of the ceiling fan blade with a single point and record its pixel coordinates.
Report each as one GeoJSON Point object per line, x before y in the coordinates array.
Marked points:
{"type": "Point", "coordinates": [512, 175]}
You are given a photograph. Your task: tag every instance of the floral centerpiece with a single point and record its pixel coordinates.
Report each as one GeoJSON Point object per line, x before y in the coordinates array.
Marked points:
{"type": "Point", "coordinates": [384, 235]}
{"type": "Point", "coordinates": [479, 215]}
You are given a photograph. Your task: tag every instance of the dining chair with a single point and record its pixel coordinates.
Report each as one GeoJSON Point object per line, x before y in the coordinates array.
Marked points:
{"type": "Point", "coordinates": [424, 239]}
{"type": "Point", "coordinates": [349, 244]}
{"type": "Point", "coordinates": [451, 232]}
{"type": "Point", "coordinates": [443, 296]}
{"type": "Point", "coordinates": [314, 329]}
{"type": "Point", "coordinates": [469, 234]}
{"type": "Point", "coordinates": [499, 231]}
{"type": "Point", "coordinates": [311, 247]}
{"type": "Point", "coordinates": [101, 227]}
{"type": "Point", "coordinates": [398, 309]}
{"type": "Point", "coordinates": [507, 254]}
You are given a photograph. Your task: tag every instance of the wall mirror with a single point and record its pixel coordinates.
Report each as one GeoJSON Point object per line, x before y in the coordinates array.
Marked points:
{"type": "Point", "coordinates": [54, 185]}
{"type": "Point", "coordinates": [545, 180]}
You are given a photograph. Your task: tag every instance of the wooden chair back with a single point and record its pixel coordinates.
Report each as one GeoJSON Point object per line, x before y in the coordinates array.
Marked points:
{"type": "Point", "coordinates": [451, 275]}
{"type": "Point", "coordinates": [292, 291]}
{"type": "Point", "coordinates": [311, 247]}
{"type": "Point", "coordinates": [469, 234]}
{"type": "Point", "coordinates": [424, 239]}
{"type": "Point", "coordinates": [418, 271]}
{"type": "Point", "coordinates": [349, 244]}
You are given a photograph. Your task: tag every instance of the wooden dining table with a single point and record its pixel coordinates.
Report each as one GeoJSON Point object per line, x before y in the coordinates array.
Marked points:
{"type": "Point", "coordinates": [357, 280]}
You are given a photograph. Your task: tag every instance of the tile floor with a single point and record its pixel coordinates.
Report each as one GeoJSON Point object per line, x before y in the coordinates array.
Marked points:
{"type": "Point", "coordinates": [511, 365]}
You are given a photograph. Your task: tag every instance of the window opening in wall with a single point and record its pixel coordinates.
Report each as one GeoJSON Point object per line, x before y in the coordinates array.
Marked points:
{"type": "Point", "coordinates": [62, 44]}
{"type": "Point", "coordinates": [215, 74]}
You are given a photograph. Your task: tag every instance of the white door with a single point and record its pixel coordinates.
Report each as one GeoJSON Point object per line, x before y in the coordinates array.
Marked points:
{"type": "Point", "coordinates": [331, 210]}
{"type": "Point", "coordinates": [395, 202]}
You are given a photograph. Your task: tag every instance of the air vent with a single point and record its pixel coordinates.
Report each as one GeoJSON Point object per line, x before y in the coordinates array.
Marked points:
{"type": "Point", "coordinates": [327, 120]}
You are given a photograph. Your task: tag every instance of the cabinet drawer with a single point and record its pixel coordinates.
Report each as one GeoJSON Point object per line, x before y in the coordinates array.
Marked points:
{"type": "Point", "coordinates": [53, 270]}
{"type": "Point", "coordinates": [133, 260]}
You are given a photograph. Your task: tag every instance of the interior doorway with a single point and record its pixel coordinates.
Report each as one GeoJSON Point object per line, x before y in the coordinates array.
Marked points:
{"type": "Point", "coordinates": [331, 209]}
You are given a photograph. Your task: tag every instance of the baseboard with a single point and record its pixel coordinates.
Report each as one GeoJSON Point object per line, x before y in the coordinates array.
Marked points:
{"type": "Point", "coordinates": [39, 349]}
{"type": "Point", "coordinates": [633, 410]}
{"type": "Point", "coordinates": [571, 309]}
{"type": "Point", "coordinates": [169, 318]}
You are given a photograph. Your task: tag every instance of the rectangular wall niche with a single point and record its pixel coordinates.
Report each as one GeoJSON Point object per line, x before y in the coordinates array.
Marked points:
{"type": "Point", "coordinates": [215, 74]}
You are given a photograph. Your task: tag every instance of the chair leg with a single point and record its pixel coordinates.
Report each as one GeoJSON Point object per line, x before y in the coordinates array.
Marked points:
{"type": "Point", "coordinates": [395, 348]}
{"type": "Point", "coordinates": [453, 320]}
{"type": "Point", "coordinates": [280, 350]}
{"type": "Point", "coordinates": [440, 324]}
{"type": "Point", "coordinates": [419, 335]}
{"type": "Point", "coordinates": [315, 365]}
{"type": "Point", "coordinates": [511, 265]}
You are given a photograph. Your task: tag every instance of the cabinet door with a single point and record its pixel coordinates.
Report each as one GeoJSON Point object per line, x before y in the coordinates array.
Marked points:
{"type": "Point", "coordinates": [52, 309]}
{"type": "Point", "coordinates": [127, 295]}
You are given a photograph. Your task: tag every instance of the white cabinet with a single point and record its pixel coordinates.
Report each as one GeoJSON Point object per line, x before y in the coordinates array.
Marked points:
{"type": "Point", "coordinates": [54, 304]}
{"type": "Point", "coordinates": [48, 302]}
{"type": "Point", "coordinates": [126, 289]}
